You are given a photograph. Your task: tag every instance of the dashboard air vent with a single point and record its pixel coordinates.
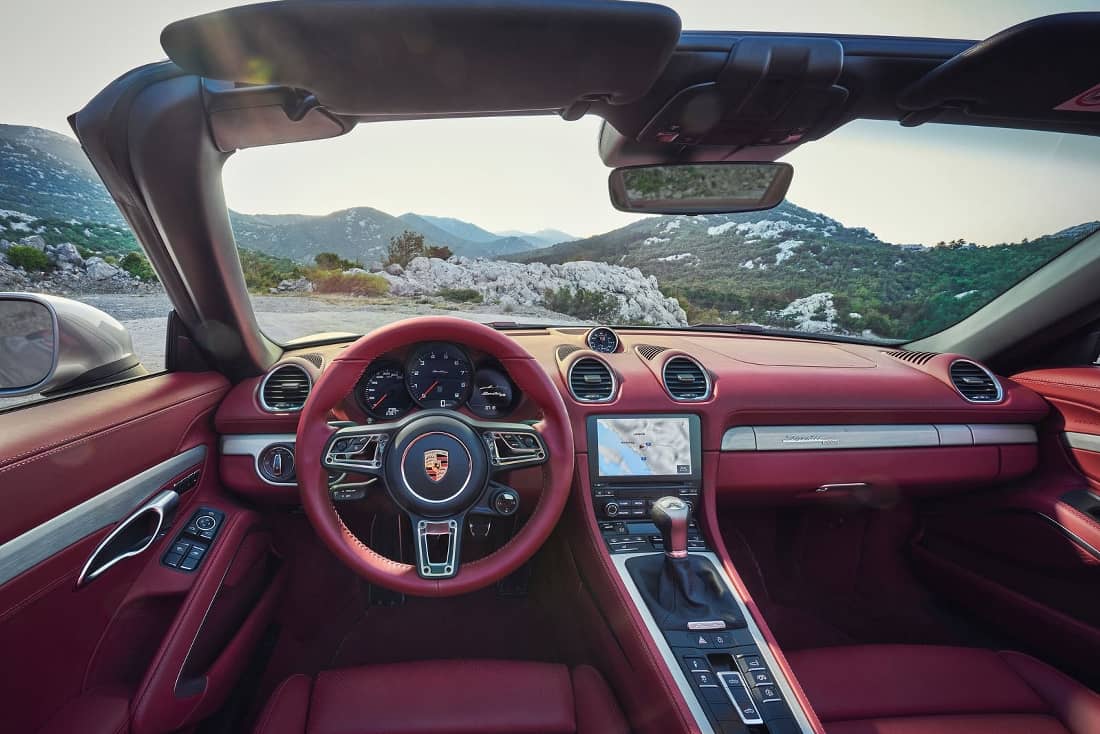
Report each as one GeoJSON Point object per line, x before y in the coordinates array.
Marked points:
{"type": "Point", "coordinates": [318, 360]}
{"type": "Point", "coordinates": [974, 382]}
{"type": "Point", "coordinates": [565, 350]}
{"type": "Point", "coordinates": [913, 357]}
{"type": "Point", "coordinates": [685, 379]}
{"type": "Point", "coordinates": [649, 351]}
{"type": "Point", "coordinates": [285, 389]}
{"type": "Point", "coordinates": [591, 381]}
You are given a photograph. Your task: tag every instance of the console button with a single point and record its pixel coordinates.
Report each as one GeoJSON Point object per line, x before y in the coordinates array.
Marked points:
{"type": "Point", "coordinates": [751, 662]}
{"type": "Point", "coordinates": [696, 664]}
{"type": "Point", "coordinates": [768, 693]}
{"type": "Point", "coordinates": [774, 710]}
{"type": "Point", "coordinates": [723, 710]}
{"type": "Point", "coordinates": [760, 678]}
{"type": "Point", "coordinates": [705, 679]}
{"type": "Point", "coordinates": [688, 639]}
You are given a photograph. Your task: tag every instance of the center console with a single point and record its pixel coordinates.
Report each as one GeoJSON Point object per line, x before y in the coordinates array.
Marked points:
{"type": "Point", "coordinates": [646, 478]}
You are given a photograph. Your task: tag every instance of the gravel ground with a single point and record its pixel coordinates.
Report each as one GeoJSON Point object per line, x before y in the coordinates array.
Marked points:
{"type": "Point", "coordinates": [283, 318]}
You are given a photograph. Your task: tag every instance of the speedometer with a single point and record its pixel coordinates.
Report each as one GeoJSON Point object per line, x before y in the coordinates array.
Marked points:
{"type": "Point", "coordinates": [439, 375]}
{"type": "Point", "coordinates": [382, 393]}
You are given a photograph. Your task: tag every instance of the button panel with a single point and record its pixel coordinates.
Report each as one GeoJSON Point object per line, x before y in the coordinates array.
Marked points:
{"type": "Point", "coordinates": [192, 544]}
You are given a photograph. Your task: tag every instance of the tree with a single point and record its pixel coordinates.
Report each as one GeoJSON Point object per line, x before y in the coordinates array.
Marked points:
{"type": "Point", "coordinates": [404, 247]}
{"type": "Point", "coordinates": [332, 261]}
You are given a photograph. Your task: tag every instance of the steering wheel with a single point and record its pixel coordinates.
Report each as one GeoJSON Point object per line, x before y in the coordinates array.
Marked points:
{"type": "Point", "coordinates": [438, 466]}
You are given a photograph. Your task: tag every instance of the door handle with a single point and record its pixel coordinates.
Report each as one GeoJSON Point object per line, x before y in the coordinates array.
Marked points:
{"type": "Point", "coordinates": [132, 536]}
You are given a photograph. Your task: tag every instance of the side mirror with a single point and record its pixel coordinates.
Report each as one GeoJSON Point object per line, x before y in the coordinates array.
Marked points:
{"type": "Point", "coordinates": [700, 188]}
{"type": "Point", "coordinates": [49, 343]}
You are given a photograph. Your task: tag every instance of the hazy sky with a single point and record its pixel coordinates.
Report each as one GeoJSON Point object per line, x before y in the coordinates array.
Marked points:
{"type": "Point", "coordinates": [921, 185]}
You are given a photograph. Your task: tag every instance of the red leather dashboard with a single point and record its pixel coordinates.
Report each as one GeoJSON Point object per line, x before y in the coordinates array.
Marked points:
{"type": "Point", "coordinates": [762, 381]}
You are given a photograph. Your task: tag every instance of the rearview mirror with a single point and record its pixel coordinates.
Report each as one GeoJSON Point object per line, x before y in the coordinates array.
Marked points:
{"type": "Point", "coordinates": [699, 188]}
{"type": "Point", "coordinates": [48, 343]}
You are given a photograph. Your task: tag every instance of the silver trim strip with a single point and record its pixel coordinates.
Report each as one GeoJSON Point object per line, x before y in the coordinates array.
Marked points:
{"type": "Point", "coordinates": [1083, 441]}
{"type": "Point", "coordinates": [619, 561]}
{"type": "Point", "coordinates": [818, 438]}
{"type": "Point", "coordinates": [39, 543]}
{"type": "Point", "coordinates": [161, 505]}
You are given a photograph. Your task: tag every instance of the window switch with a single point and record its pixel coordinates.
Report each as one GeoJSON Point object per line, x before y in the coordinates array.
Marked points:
{"type": "Point", "coordinates": [190, 563]}
{"type": "Point", "coordinates": [196, 551]}
{"type": "Point", "coordinates": [173, 560]}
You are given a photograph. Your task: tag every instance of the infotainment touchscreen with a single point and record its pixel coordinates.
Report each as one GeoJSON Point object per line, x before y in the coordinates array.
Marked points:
{"type": "Point", "coordinates": [645, 446]}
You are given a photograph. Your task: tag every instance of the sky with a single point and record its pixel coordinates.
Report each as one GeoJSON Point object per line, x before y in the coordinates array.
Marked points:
{"type": "Point", "coordinates": [925, 185]}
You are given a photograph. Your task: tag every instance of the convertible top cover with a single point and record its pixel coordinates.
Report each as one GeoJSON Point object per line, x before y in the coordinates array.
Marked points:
{"type": "Point", "coordinates": [434, 57]}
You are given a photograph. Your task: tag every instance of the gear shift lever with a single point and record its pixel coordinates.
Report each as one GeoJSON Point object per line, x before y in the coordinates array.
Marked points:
{"type": "Point", "coordinates": [682, 591]}
{"type": "Point", "coordinates": [670, 515]}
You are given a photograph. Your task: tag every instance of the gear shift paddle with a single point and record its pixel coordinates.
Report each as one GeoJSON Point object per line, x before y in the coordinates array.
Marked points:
{"type": "Point", "coordinates": [670, 515]}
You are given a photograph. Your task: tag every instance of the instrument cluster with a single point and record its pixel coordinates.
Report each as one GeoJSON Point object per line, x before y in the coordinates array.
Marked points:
{"type": "Point", "coordinates": [435, 375]}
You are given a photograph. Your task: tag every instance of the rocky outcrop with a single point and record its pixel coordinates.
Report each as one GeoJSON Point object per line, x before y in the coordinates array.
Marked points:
{"type": "Point", "coordinates": [513, 284]}
{"type": "Point", "coordinates": [69, 274]}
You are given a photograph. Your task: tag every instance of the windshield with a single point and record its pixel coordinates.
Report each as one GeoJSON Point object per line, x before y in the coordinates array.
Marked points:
{"type": "Point", "coordinates": [887, 233]}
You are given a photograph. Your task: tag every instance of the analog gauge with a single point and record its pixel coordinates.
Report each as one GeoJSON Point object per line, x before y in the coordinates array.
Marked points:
{"type": "Point", "coordinates": [382, 393]}
{"type": "Point", "coordinates": [493, 395]}
{"type": "Point", "coordinates": [439, 375]}
{"type": "Point", "coordinates": [602, 339]}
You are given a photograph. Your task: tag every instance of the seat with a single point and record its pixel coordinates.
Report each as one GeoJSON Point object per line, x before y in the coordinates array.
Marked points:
{"type": "Point", "coordinates": [445, 697]}
{"type": "Point", "coordinates": [925, 689]}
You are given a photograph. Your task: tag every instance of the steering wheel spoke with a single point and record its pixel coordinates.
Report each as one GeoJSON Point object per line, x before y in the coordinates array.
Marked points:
{"type": "Point", "coordinates": [359, 449]}
{"type": "Point", "coordinates": [437, 545]}
{"type": "Point", "coordinates": [512, 446]}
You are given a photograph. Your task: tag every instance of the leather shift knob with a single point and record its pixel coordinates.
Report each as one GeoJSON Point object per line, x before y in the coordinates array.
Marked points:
{"type": "Point", "coordinates": [670, 515]}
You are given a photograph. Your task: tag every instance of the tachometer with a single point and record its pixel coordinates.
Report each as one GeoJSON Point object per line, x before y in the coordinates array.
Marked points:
{"type": "Point", "coordinates": [493, 395]}
{"type": "Point", "coordinates": [381, 391]}
{"type": "Point", "coordinates": [439, 375]}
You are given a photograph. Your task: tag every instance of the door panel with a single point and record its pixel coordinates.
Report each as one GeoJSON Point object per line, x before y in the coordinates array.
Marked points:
{"type": "Point", "coordinates": [70, 469]}
{"type": "Point", "coordinates": [1026, 558]}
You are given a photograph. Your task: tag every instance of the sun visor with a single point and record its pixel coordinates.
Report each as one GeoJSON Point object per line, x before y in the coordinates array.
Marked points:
{"type": "Point", "coordinates": [434, 57]}
{"type": "Point", "coordinates": [1046, 69]}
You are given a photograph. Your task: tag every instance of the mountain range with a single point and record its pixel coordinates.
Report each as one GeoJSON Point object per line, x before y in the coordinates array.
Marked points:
{"type": "Point", "coordinates": [788, 266]}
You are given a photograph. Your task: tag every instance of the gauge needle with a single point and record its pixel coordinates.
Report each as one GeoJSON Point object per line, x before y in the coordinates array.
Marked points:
{"type": "Point", "coordinates": [380, 401]}
{"type": "Point", "coordinates": [425, 395]}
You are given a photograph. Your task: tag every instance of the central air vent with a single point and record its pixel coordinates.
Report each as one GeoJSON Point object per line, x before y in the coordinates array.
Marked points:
{"type": "Point", "coordinates": [591, 381]}
{"type": "Point", "coordinates": [974, 382]}
{"type": "Point", "coordinates": [685, 379]}
{"type": "Point", "coordinates": [913, 357]}
{"type": "Point", "coordinates": [565, 350]}
{"type": "Point", "coordinates": [285, 389]}
{"type": "Point", "coordinates": [649, 351]}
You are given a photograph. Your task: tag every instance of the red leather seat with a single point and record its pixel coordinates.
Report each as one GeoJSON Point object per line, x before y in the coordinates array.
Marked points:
{"type": "Point", "coordinates": [918, 689]}
{"type": "Point", "coordinates": [445, 697]}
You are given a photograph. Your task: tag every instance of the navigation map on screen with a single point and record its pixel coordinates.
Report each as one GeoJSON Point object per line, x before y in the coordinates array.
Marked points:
{"type": "Point", "coordinates": [638, 447]}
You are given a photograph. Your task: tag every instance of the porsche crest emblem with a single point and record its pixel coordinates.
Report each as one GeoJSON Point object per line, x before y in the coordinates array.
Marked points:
{"type": "Point", "coordinates": [435, 464]}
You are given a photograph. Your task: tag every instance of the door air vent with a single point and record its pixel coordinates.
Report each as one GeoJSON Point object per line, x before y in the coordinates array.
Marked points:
{"type": "Point", "coordinates": [913, 357]}
{"type": "Point", "coordinates": [974, 382]}
{"type": "Point", "coordinates": [649, 351]}
{"type": "Point", "coordinates": [591, 381]}
{"type": "Point", "coordinates": [285, 389]}
{"type": "Point", "coordinates": [565, 350]}
{"type": "Point", "coordinates": [685, 379]}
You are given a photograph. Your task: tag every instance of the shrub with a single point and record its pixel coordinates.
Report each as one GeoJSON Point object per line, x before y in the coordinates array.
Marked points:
{"type": "Point", "coordinates": [460, 295]}
{"type": "Point", "coordinates": [404, 247]}
{"type": "Point", "coordinates": [583, 304]}
{"type": "Point", "coordinates": [443, 253]}
{"type": "Point", "coordinates": [354, 284]}
{"type": "Point", "coordinates": [138, 266]}
{"type": "Point", "coordinates": [28, 258]}
{"type": "Point", "coordinates": [332, 261]}
{"type": "Point", "coordinates": [262, 271]}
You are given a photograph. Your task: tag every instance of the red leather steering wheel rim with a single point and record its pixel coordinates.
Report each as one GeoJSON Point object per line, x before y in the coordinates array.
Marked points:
{"type": "Point", "coordinates": [339, 378]}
